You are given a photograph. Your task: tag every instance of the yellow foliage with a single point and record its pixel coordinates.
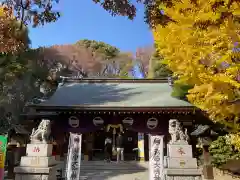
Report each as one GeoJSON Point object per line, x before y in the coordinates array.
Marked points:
{"type": "Point", "coordinates": [235, 140]}
{"type": "Point", "coordinates": [13, 35]}
{"type": "Point", "coordinates": [198, 47]}
{"type": "Point", "coordinates": [6, 12]}
{"type": "Point", "coordinates": [1, 11]}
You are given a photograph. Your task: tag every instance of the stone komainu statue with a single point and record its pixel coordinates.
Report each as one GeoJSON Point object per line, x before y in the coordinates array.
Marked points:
{"type": "Point", "coordinates": [42, 133]}
{"type": "Point", "coordinates": [176, 131]}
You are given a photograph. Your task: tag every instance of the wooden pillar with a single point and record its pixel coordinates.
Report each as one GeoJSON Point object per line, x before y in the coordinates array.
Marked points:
{"type": "Point", "coordinates": [11, 160]}
{"type": "Point", "coordinates": [85, 150]}
{"type": "Point", "coordinates": [141, 156]}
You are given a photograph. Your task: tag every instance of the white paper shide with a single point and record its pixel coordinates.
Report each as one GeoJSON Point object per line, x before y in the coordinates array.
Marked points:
{"type": "Point", "coordinates": [74, 157]}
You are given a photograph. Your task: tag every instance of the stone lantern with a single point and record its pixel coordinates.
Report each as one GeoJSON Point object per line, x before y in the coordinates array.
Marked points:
{"type": "Point", "coordinates": [205, 135]}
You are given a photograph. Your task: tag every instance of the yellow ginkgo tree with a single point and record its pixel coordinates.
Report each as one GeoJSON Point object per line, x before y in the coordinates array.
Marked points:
{"type": "Point", "coordinates": [201, 45]}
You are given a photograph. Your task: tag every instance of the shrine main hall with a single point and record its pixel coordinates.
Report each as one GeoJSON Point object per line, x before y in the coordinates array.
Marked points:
{"type": "Point", "coordinates": [98, 108]}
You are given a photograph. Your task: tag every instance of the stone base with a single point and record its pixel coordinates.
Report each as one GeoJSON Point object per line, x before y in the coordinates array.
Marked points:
{"type": "Point", "coordinates": [187, 163]}
{"type": "Point", "coordinates": [58, 157]}
{"type": "Point", "coordinates": [183, 178]}
{"type": "Point", "coordinates": [34, 173]}
{"type": "Point", "coordinates": [179, 150]}
{"type": "Point", "coordinates": [28, 161]}
{"type": "Point", "coordinates": [40, 150]}
{"type": "Point", "coordinates": [35, 177]}
{"type": "Point", "coordinates": [183, 172]}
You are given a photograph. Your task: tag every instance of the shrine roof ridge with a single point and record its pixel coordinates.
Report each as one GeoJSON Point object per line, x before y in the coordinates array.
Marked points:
{"type": "Point", "coordinates": [113, 80]}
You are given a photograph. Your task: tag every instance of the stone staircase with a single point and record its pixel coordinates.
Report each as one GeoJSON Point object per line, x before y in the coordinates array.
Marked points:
{"type": "Point", "coordinates": [100, 170]}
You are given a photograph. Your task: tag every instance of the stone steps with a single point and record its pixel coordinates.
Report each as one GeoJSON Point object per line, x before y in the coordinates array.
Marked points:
{"type": "Point", "coordinates": [101, 165]}
{"type": "Point", "coordinates": [114, 166]}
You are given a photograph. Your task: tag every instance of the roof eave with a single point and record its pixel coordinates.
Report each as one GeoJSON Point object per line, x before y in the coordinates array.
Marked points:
{"type": "Point", "coordinates": [116, 80]}
{"type": "Point", "coordinates": [117, 108]}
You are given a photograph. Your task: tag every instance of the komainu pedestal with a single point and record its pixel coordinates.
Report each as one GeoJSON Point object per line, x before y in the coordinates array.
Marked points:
{"type": "Point", "coordinates": [179, 163]}
{"type": "Point", "coordinates": [39, 164]}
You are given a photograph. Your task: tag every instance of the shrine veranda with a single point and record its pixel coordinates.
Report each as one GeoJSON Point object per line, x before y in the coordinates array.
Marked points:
{"type": "Point", "coordinates": [136, 107]}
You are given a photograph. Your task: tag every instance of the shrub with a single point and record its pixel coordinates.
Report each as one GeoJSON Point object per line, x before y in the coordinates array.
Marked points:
{"type": "Point", "coordinates": [222, 151]}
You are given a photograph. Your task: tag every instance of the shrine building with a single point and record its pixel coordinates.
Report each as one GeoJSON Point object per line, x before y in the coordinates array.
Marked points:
{"type": "Point", "coordinates": [103, 107]}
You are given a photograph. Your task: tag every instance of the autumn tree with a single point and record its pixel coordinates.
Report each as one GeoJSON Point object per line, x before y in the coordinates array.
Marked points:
{"type": "Point", "coordinates": [21, 74]}
{"type": "Point", "coordinates": [109, 61]}
{"type": "Point", "coordinates": [33, 12]}
{"type": "Point", "coordinates": [200, 44]}
{"type": "Point", "coordinates": [151, 63]}
{"type": "Point", "coordinates": [143, 57]}
{"type": "Point", "coordinates": [12, 38]}
{"type": "Point", "coordinates": [41, 12]}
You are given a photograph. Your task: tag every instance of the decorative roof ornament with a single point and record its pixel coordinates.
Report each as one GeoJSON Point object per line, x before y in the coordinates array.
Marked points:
{"type": "Point", "coordinates": [97, 121]}
{"type": "Point", "coordinates": [35, 100]}
{"type": "Point", "coordinates": [128, 121]}
{"type": "Point", "coordinates": [73, 121]}
{"type": "Point", "coordinates": [152, 123]}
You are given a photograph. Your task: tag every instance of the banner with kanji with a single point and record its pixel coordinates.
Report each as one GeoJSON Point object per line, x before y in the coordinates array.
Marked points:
{"type": "Point", "coordinates": [141, 146]}
{"type": "Point", "coordinates": [3, 149]}
{"type": "Point", "coordinates": [74, 157]}
{"type": "Point", "coordinates": [156, 157]}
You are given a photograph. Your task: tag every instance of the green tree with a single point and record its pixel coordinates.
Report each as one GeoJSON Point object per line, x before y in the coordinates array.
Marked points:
{"type": "Point", "coordinates": [157, 68]}
{"type": "Point", "coordinates": [181, 90]}
{"type": "Point", "coordinates": [109, 60]}
{"type": "Point", "coordinates": [20, 81]}
{"type": "Point", "coordinates": [160, 69]}
{"type": "Point", "coordinates": [101, 48]}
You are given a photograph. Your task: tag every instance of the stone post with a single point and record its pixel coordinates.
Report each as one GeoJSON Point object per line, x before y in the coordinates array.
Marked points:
{"type": "Point", "coordinates": [207, 167]}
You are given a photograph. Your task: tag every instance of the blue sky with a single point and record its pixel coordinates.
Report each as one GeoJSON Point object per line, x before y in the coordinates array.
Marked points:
{"type": "Point", "coordinates": [82, 19]}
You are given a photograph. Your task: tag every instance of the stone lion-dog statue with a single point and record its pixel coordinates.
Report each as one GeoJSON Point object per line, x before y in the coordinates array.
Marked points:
{"type": "Point", "coordinates": [176, 131]}
{"type": "Point", "coordinates": [42, 133]}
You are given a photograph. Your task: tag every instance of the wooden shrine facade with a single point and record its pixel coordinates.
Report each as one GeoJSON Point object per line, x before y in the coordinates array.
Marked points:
{"type": "Point", "coordinates": [107, 106]}
{"type": "Point", "coordinates": [88, 105]}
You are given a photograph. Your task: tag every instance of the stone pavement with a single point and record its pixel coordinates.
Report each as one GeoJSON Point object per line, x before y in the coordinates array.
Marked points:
{"type": "Point", "coordinates": [109, 175]}
{"type": "Point", "coordinates": [100, 170]}
{"type": "Point", "coordinates": [104, 176]}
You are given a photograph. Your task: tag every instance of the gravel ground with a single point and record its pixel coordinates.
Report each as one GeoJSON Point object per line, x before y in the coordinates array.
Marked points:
{"type": "Point", "coordinates": [220, 175]}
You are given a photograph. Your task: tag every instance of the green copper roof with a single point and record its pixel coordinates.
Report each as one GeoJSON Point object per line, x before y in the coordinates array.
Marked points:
{"type": "Point", "coordinates": [115, 94]}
